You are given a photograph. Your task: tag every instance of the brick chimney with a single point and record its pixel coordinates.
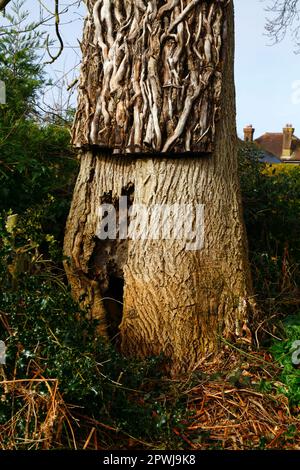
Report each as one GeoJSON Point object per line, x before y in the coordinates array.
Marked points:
{"type": "Point", "coordinates": [288, 133]}
{"type": "Point", "coordinates": [248, 133]}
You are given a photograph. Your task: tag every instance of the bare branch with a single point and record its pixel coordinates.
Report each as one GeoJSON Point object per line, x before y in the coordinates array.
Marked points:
{"type": "Point", "coordinates": [61, 48]}
{"type": "Point", "coordinates": [285, 18]}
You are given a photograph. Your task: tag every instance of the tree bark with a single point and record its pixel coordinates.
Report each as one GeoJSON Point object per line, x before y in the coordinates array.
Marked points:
{"type": "Point", "coordinates": [151, 76]}
{"type": "Point", "coordinates": [175, 302]}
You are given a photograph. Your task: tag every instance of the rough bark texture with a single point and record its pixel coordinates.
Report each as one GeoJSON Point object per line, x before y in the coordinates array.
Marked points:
{"type": "Point", "coordinates": [175, 302]}
{"type": "Point", "coordinates": [152, 75]}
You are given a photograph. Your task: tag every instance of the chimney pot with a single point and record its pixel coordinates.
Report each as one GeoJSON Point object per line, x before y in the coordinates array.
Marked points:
{"type": "Point", "coordinates": [287, 141]}
{"type": "Point", "coordinates": [249, 133]}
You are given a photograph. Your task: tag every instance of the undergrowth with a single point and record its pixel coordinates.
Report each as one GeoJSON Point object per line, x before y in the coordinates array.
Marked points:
{"type": "Point", "coordinates": [49, 338]}
{"type": "Point", "coordinates": [64, 387]}
{"type": "Point", "coordinates": [286, 351]}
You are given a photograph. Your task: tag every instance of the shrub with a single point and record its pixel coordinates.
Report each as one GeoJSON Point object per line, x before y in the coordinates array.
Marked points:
{"type": "Point", "coordinates": [272, 213]}
{"type": "Point", "coordinates": [54, 349]}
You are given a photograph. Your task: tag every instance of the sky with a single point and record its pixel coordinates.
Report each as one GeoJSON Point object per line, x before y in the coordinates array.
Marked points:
{"type": "Point", "coordinates": [264, 75]}
{"type": "Point", "coordinates": [267, 77]}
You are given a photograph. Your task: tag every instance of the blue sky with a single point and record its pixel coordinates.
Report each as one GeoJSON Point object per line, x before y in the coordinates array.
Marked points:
{"type": "Point", "coordinates": [264, 74]}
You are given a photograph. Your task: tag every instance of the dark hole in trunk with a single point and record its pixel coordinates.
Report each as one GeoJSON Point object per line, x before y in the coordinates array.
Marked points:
{"type": "Point", "coordinates": [113, 304]}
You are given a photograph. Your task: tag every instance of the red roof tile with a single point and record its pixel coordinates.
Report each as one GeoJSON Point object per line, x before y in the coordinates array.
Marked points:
{"type": "Point", "coordinates": [272, 143]}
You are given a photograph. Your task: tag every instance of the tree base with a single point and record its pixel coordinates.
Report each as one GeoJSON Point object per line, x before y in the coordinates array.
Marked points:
{"type": "Point", "coordinates": [156, 295]}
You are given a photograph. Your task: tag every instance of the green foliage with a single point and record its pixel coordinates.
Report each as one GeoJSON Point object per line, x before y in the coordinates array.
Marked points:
{"type": "Point", "coordinates": [283, 351]}
{"type": "Point", "coordinates": [42, 167]}
{"type": "Point", "coordinates": [37, 164]}
{"type": "Point", "coordinates": [47, 335]}
{"type": "Point", "coordinates": [272, 212]}
{"type": "Point", "coordinates": [271, 197]}
{"type": "Point", "coordinates": [20, 67]}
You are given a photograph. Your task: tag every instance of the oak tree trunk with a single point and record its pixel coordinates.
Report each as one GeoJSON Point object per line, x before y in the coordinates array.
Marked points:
{"type": "Point", "coordinates": [159, 296]}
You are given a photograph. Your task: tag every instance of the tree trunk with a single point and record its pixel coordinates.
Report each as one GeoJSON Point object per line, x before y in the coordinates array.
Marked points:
{"type": "Point", "coordinates": [160, 296]}
{"type": "Point", "coordinates": [151, 76]}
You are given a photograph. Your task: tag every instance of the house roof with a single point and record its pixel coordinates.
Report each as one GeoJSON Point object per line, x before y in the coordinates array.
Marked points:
{"type": "Point", "coordinates": [267, 157]}
{"type": "Point", "coordinates": [271, 142]}
{"type": "Point", "coordinates": [263, 156]}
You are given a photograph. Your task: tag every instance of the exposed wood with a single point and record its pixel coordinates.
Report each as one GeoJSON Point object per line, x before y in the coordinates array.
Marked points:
{"type": "Point", "coordinates": [151, 76]}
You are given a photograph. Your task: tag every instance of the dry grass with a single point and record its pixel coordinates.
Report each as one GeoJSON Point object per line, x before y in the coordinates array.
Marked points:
{"type": "Point", "coordinates": [226, 411]}
{"type": "Point", "coordinates": [239, 419]}
{"type": "Point", "coordinates": [39, 420]}
{"type": "Point", "coordinates": [232, 413]}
